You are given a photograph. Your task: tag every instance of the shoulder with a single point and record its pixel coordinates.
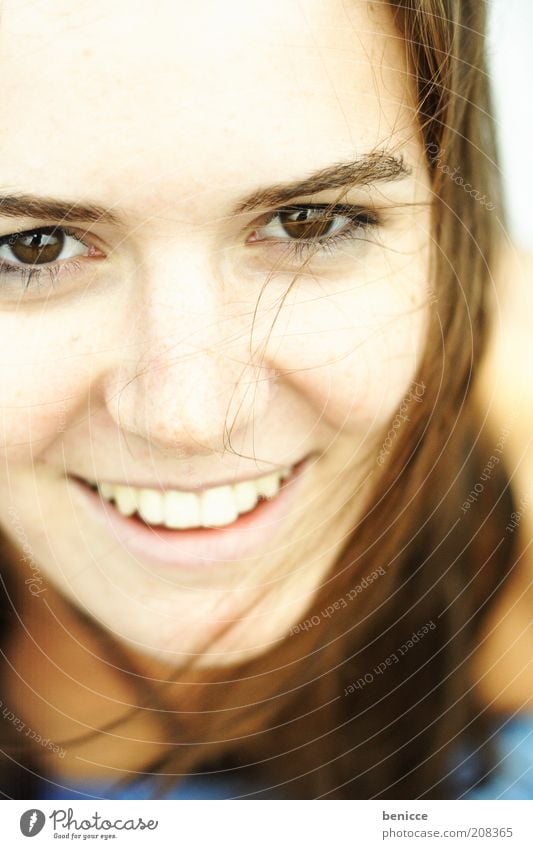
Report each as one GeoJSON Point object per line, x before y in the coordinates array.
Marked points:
{"type": "Point", "coordinates": [512, 774]}
{"type": "Point", "coordinates": [502, 663]}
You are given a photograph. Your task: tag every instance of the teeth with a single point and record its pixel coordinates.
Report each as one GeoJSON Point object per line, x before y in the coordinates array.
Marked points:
{"type": "Point", "coordinates": [269, 485]}
{"type": "Point", "coordinates": [182, 510]}
{"type": "Point", "coordinates": [151, 507]}
{"type": "Point", "coordinates": [125, 499]}
{"type": "Point", "coordinates": [215, 507]}
{"type": "Point", "coordinates": [218, 506]}
{"type": "Point", "coordinates": [106, 490]}
{"type": "Point", "coordinates": [246, 496]}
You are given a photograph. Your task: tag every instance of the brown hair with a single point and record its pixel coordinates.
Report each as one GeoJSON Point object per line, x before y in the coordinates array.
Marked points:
{"type": "Point", "coordinates": [329, 711]}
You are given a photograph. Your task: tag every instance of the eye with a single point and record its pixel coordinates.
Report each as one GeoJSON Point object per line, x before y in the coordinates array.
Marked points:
{"type": "Point", "coordinates": [313, 227]}
{"type": "Point", "coordinates": [41, 246]}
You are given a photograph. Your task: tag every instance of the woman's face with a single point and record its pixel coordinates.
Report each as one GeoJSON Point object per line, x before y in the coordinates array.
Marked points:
{"type": "Point", "coordinates": [168, 337]}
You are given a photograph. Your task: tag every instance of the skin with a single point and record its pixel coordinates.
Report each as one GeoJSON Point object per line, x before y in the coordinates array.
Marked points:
{"type": "Point", "coordinates": [502, 665]}
{"type": "Point", "coordinates": [130, 366]}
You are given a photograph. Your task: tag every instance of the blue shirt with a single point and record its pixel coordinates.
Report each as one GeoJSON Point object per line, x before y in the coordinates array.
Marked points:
{"type": "Point", "coordinates": [512, 775]}
{"type": "Point", "coordinates": [511, 778]}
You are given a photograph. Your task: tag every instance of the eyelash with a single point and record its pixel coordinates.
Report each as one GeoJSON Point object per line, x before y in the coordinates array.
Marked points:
{"type": "Point", "coordinates": [360, 221]}
{"type": "Point", "coordinates": [33, 273]}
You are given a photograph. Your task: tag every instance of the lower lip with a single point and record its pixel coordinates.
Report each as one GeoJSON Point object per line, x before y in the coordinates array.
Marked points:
{"type": "Point", "coordinates": [248, 536]}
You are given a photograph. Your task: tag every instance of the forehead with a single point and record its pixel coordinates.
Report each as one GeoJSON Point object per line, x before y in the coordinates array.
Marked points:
{"type": "Point", "coordinates": [120, 99]}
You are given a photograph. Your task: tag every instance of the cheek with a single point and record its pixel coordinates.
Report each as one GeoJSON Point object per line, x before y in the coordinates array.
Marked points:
{"type": "Point", "coordinates": [42, 375]}
{"type": "Point", "coordinates": [353, 352]}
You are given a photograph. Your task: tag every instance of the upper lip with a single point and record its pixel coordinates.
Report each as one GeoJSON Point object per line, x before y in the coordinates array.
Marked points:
{"type": "Point", "coordinates": [191, 487]}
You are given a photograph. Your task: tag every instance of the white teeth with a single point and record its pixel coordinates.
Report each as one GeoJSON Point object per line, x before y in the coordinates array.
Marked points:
{"type": "Point", "coordinates": [246, 496]}
{"type": "Point", "coordinates": [182, 510]}
{"type": "Point", "coordinates": [215, 507]}
{"type": "Point", "coordinates": [106, 490]}
{"type": "Point", "coordinates": [218, 506]}
{"type": "Point", "coordinates": [125, 498]}
{"type": "Point", "coordinates": [268, 486]}
{"type": "Point", "coordinates": [151, 507]}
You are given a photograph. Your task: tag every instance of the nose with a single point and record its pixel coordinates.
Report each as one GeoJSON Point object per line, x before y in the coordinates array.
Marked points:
{"type": "Point", "coordinates": [183, 375]}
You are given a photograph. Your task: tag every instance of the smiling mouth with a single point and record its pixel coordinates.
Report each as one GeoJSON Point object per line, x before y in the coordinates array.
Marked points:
{"type": "Point", "coordinates": [216, 507]}
{"type": "Point", "coordinates": [221, 524]}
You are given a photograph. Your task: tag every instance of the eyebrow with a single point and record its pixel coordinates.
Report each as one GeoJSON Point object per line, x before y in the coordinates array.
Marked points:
{"type": "Point", "coordinates": [372, 168]}
{"type": "Point", "coordinates": [30, 206]}
{"type": "Point", "coordinates": [365, 170]}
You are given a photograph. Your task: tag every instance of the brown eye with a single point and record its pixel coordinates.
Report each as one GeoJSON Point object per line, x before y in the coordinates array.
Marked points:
{"type": "Point", "coordinates": [36, 247]}
{"type": "Point", "coordinates": [315, 230]}
{"type": "Point", "coordinates": [306, 223]}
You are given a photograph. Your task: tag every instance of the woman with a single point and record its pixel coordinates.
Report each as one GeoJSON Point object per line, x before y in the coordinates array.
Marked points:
{"type": "Point", "coordinates": [244, 300]}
